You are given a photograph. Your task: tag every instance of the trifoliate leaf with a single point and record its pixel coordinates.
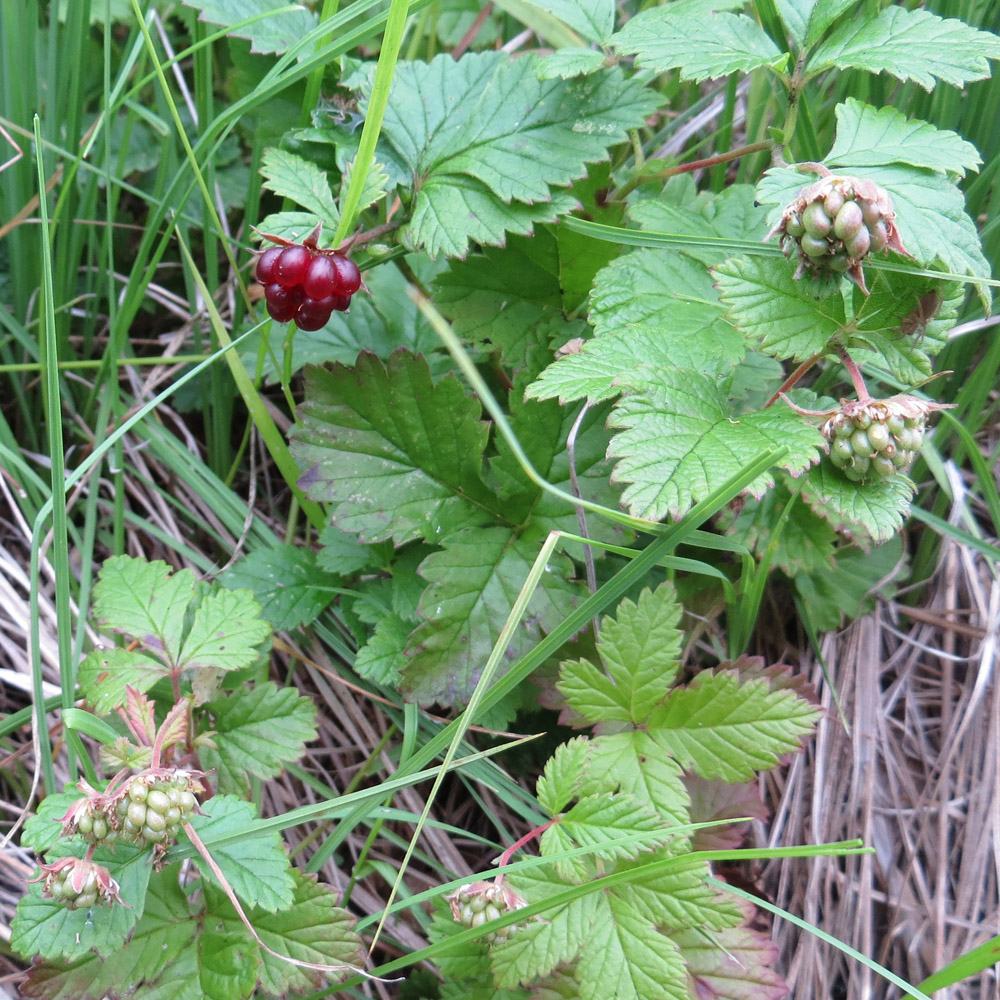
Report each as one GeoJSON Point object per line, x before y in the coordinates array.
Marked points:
{"type": "Point", "coordinates": [654, 308]}
{"type": "Point", "coordinates": [291, 589]}
{"type": "Point", "coordinates": [640, 764]}
{"type": "Point", "coordinates": [679, 442]}
{"type": "Point", "coordinates": [253, 862]}
{"type": "Point", "coordinates": [144, 600]}
{"type": "Point", "coordinates": [822, 14]}
{"type": "Point", "coordinates": [256, 732]}
{"type": "Point", "coordinates": [225, 633]}
{"type": "Point", "coordinates": [291, 176]}
{"type": "Point", "coordinates": [273, 34]}
{"type": "Point", "coordinates": [720, 728]}
{"type": "Point", "coordinates": [105, 674]}
{"type": "Point", "coordinates": [640, 649]}
{"type": "Point", "coordinates": [910, 45]}
{"type": "Point", "coordinates": [868, 136]}
{"type": "Point", "coordinates": [878, 508]}
{"type": "Point", "coordinates": [47, 928]}
{"type": "Point", "coordinates": [597, 820]}
{"type": "Point", "coordinates": [563, 775]}
{"type": "Point", "coordinates": [397, 455]}
{"type": "Point", "coordinates": [702, 45]}
{"type": "Point", "coordinates": [783, 315]}
{"type": "Point", "coordinates": [472, 585]}
{"type": "Point", "coordinates": [162, 935]}
{"type": "Point", "coordinates": [313, 929]}
{"type": "Point", "coordinates": [455, 121]}
{"type": "Point", "coordinates": [735, 963]}
{"type": "Point", "coordinates": [382, 658]}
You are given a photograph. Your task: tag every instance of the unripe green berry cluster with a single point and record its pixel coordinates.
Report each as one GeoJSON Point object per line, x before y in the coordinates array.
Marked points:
{"type": "Point", "coordinates": [869, 446]}
{"type": "Point", "coordinates": [93, 824]}
{"type": "Point", "coordinates": [78, 884]}
{"type": "Point", "coordinates": [152, 810]}
{"type": "Point", "coordinates": [478, 903]}
{"type": "Point", "coordinates": [834, 224]}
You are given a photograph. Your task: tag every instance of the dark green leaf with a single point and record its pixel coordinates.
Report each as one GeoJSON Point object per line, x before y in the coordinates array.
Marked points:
{"type": "Point", "coordinates": [274, 34]}
{"type": "Point", "coordinates": [395, 454]}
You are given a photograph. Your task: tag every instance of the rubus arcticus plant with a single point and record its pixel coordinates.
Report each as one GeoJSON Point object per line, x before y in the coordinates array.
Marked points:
{"type": "Point", "coordinates": [646, 352]}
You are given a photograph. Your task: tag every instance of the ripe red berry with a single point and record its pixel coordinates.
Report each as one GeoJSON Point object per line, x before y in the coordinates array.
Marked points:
{"type": "Point", "coordinates": [264, 269]}
{"type": "Point", "coordinates": [291, 266]}
{"type": "Point", "coordinates": [313, 314]}
{"type": "Point", "coordinates": [282, 303]}
{"type": "Point", "coordinates": [348, 275]}
{"type": "Point", "coordinates": [321, 277]}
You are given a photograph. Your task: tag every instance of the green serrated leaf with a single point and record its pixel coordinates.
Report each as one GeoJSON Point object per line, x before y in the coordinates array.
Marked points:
{"type": "Point", "coordinates": [257, 731]}
{"type": "Point", "coordinates": [287, 582]}
{"type": "Point", "coordinates": [453, 122]}
{"type": "Point", "coordinates": [909, 45]}
{"type": "Point", "coordinates": [640, 764]}
{"type": "Point", "coordinates": [253, 862]}
{"type": "Point", "coordinates": [42, 830]}
{"type": "Point", "coordinates": [375, 187]}
{"type": "Point", "coordinates": [291, 176]}
{"type": "Point", "coordinates": [162, 935]}
{"type": "Point", "coordinates": [396, 454]}
{"type": "Point", "coordinates": [274, 34]}
{"type": "Point", "coordinates": [382, 659]}
{"type": "Point", "coordinates": [640, 649]}
{"type": "Point", "coordinates": [340, 553]}
{"type": "Point", "coordinates": [292, 226]}
{"type": "Point", "coordinates": [105, 673]}
{"type": "Point", "coordinates": [785, 316]}
{"type": "Point", "coordinates": [544, 430]}
{"type": "Point", "coordinates": [539, 946]}
{"type": "Point", "coordinates": [652, 308]}
{"type": "Point", "coordinates": [592, 20]}
{"type": "Point", "coordinates": [878, 508]}
{"type": "Point", "coordinates": [314, 929]}
{"type": "Point", "coordinates": [701, 45]}
{"type": "Point", "coordinates": [678, 899]}
{"type": "Point", "coordinates": [144, 600]}
{"type": "Point", "coordinates": [562, 777]}
{"type": "Point", "coordinates": [225, 633]}
{"type": "Point", "coordinates": [626, 957]}
{"type": "Point", "coordinates": [564, 64]}
{"type": "Point", "coordinates": [720, 728]}
{"type": "Point", "coordinates": [227, 963]}
{"type": "Point", "coordinates": [600, 818]}
{"type": "Point", "coordinates": [472, 585]}
{"type": "Point", "coordinates": [868, 136]}
{"type": "Point", "coordinates": [678, 442]}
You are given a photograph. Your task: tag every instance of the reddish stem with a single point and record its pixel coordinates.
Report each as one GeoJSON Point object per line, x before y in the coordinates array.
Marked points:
{"type": "Point", "coordinates": [527, 838]}
{"type": "Point", "coordinates": [855, 372]}
{"type": "Point", "coordinates": [793, 379]}
{"type": "Point", "coordinates": [684, 168]}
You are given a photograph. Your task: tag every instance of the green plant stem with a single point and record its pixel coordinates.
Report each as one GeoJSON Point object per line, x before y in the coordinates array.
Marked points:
{"type": "Point", "coordinates": [395, 27]}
